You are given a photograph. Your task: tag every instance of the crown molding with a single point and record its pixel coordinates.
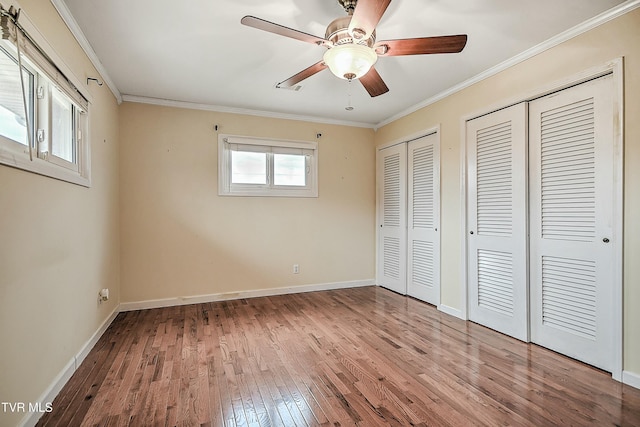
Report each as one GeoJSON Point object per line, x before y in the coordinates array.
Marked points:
{"type": "Point", "coordinates": [594, 22]}
{"type": "Point", "coordinates": [73, 26]}
{"type": "Point", "coordinates": [244, 111]}
{"type": "Point", "coordinates": [590, 24]}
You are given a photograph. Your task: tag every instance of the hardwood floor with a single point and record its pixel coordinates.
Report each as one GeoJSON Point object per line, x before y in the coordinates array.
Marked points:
{"type": "Point", "coordinates": [362, 356]}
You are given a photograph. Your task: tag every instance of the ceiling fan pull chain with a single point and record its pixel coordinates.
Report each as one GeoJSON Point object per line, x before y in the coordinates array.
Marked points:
{"type": "Point", "coordinates": [349, 107]}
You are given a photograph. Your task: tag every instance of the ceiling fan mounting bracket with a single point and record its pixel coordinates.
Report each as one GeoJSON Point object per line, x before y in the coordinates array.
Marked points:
{"type": "Point", "coordinates": [348, 5]}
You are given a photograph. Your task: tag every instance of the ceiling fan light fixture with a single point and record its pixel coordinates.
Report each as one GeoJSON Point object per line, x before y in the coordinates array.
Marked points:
{"type": "Point", "coordinates": [350, 61]}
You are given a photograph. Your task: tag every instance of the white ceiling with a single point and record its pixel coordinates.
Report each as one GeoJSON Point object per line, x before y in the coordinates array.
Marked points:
{"type": "Point", "coordinates": [197, 51]}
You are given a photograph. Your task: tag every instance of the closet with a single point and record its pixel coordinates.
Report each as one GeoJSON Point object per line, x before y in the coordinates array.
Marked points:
{"type": "Point", "coordinates": [540, 221]}
{"type": "Point", "coordinates": [408, 185]}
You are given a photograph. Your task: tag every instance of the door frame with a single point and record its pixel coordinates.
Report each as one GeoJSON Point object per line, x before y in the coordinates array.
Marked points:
{"type": "Point", "coordinates": [402, 140]}
{"type": "Point", "coordinates": [614, 67]}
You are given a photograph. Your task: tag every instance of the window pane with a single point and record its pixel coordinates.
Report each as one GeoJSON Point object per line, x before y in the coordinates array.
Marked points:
{"type": "Point", "coordinates": [12, 118]}
{"type": "Point", "coordinates": [289, 169]}
{"type": "Point", "coordinates": [62, 141]}
{"type": "Point", "coordinates": [248, 167]}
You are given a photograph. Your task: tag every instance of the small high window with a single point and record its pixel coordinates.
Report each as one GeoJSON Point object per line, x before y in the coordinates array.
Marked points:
{"type": "Point", "coordinates": [266, 167]}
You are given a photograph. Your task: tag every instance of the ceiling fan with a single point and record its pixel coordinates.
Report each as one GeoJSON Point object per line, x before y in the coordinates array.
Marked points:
{"type": "Point", "coordinates": [351, 44]}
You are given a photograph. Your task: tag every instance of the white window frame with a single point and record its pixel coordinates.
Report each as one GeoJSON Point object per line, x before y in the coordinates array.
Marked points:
{"type": "Point", "coordinates": [48, 76]}
{"type": "Point", "coordinates": [229, 143]}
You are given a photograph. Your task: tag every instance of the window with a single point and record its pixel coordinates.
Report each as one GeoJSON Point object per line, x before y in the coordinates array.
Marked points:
{"type": "Point", "coordinates": [42, 131]}
{"type": "Point", "coordinates": [265, 167]}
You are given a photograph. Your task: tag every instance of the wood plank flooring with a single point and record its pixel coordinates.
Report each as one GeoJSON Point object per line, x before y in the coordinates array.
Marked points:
{"type": "Point", "coordinates": [362, 356]}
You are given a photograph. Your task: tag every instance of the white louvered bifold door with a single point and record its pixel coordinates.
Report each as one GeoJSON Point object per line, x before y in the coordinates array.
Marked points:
{"type": "Point", "coordinates": [571, 155]}
{"type": "Point", "coordinates": [392, 217]}
{"type": "Point", "coordinates": [497, 221]}
{"type": "Point", "coordinates": [423, 206]}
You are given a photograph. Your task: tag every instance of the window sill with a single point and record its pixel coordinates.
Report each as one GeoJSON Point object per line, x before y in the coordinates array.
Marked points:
{"type": "Point", "coordinates": [42, 167]}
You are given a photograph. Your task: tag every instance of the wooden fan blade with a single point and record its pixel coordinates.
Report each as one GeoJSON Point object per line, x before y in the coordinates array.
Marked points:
{"type": "Point", "coordinates": [306, 73]}
{"type": "Point", "coordinates": [373, 83]}
{"type": "Point", "coordinates": [366, 16]}
{"type": "Point", "coordinates": [422, 45]}
{"type": "Point", "coordinates": [261, 24]}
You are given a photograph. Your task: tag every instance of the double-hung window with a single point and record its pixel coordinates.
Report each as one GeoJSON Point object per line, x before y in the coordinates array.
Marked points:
{"type": "Point", "coordinates": [43, 116]}
{"type": "Point", "coordinates": [267, 167]}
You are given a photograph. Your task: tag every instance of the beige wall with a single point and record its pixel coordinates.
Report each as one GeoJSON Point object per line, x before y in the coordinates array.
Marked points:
{"type": "Point", "coordinates": [179, 238]}
{"type": "Point", "coordinates": [618, 38]}
{"type": "Point", "coordinates": [59, 245]}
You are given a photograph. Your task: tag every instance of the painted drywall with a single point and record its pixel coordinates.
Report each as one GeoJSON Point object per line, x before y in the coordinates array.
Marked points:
{"type": "Point", "coordinates": [617, 38]}
{"type": "Point", "coordinates": [180, 238]}
{"type": "Point", "coordinates": [59, 245]}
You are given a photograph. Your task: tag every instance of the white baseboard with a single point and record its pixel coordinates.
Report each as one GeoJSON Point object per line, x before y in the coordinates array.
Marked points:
{"type": "Point", "coordinates": [86, 348]}
{"type": "Point", "coordinates": [31, 419]}
{"type": "Point", "coordinates": [197, 299]}
{"type": "Point", "coordinates": [451, 311]}
{"type": "Point", "coordinates": [631, 378]}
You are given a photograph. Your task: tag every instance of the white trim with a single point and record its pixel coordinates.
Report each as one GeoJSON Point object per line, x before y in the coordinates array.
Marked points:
{"type": "Point", "coordinates": [451, 311]}
{"type": "Point", "coordinates": [249, 140]}
{"type": "Point", "coordinates": [88, 346]}
{"type": "Point", "coordinates": [248, 112]}
{"type": "Point", "coordinates": [464, 268]}
{"type": "Point", "coordinates": [73, 26]}
{"type": "Point", "coordinates": [404, 140]}
{"type": "Point", "coordinates": [31, 419]}
{"type": "Point", "coordinates": [590, 24]}
{"type": "Point", "coordinates": [228, 144]}
{"type": "Point", "coordinates": [225, 296]}
{"type": "Point", "coordinates": [521, 57]}
{"type": "Point", "coordinates": [631, 379]}
{"type": "Point", "coordinates": [410, 137]}
{"type": "Point", "coordinates": [19, 160]}
{"type": "Point", "coordinates": [616, 68]}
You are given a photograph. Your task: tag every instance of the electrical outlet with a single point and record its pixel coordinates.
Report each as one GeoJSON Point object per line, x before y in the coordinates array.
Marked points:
{"type": "Point", "coordinates": [296, 269]}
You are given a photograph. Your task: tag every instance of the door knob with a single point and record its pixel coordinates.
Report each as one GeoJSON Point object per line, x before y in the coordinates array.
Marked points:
{"type": "Point", "coordinates": [471, 232]}
{"type": "Point", "coordinates": [606, 240]}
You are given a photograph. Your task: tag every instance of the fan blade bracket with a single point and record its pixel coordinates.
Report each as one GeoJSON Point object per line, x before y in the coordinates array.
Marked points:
{"type": "Point", "coordinates": [421, 45]}
{"type": "Point", "coordinates": [359, 34]}
{"type": "Point", "coordinates": [381, 49]}
{"type": "Point", "coordinates": [365, 18]}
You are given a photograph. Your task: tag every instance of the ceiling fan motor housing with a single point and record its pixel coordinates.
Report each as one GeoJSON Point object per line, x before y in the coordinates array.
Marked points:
{"type": "Point", "coordinates": [338, 33]}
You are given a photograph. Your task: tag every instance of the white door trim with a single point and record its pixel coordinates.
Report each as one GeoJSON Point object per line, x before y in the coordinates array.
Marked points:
{"type": "Point", "coordinates": [402, 140]}
{"type": "Point", "coordinates": [616, 68]}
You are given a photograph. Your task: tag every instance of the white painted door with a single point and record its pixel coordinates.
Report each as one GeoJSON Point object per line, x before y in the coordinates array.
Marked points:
{"type": "Point", "coordinates": [392, 217]}
{"type": "Point", "coordinates": [572, 190]}
{"type": "Point", "coordinates": [423, 235]}
{"type": "Point", "coordinates": [497, 221]}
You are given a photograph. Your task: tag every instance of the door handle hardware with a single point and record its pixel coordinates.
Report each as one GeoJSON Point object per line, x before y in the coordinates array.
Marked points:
{"type": "Point", "coordinates": [606, 240]}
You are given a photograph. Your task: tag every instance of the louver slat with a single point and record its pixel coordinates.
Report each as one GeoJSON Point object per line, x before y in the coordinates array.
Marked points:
{"type": "Point", "coordinates": [422, 262]}
{"type": "Point", "coordinates": [423, 208]}
{"type": "Point", "coordinates": [568, 172]}
{"type": "Point", "coordinates": [391, 209]}
{"type": "Point", "coordinates": [494, 180]}
{"type": "Point", "coordinates": [569, 295]}
{"type": "Point", "coordinates": [391, 255]}
{"type": "Point", "coordinates": [495, 281]}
